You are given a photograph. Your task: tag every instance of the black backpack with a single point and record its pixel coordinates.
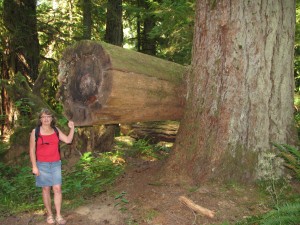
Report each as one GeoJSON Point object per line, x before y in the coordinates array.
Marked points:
{"type": "Point", "coordinates": [37, 135]}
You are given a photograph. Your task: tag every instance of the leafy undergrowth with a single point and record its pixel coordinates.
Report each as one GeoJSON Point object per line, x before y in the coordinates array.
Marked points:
{"type": "Point", "coordinates": [122, 188]}
{"type": "Point", "coordinates": [92, 174]}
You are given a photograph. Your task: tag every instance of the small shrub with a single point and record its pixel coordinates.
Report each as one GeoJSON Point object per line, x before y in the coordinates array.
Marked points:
{"type": "Point", "coordinates": [91, 175]}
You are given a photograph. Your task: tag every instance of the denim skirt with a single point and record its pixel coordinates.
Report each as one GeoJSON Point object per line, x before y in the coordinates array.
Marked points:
{"type": "Point", "coordinates": [50, 174]}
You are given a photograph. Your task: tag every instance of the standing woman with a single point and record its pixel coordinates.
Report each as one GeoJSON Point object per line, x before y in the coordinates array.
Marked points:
{"type": "Point", "coordinates": [46, 162]}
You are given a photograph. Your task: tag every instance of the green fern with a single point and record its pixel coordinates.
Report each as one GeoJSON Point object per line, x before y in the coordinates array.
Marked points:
{"type": "Point", "coordinates": [288, 214]}
{"type": "Point", "coordinates": [291, 156]}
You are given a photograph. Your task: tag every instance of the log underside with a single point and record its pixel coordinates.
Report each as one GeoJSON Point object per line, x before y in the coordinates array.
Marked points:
{"type": "Point", "coordinates": [154, 132]}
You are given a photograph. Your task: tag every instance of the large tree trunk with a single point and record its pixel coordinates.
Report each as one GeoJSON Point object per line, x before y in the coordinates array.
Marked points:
{"type": "Point", "coordinates": [240, 89]}
{"type": "Point", "coordinates": [106, 84]}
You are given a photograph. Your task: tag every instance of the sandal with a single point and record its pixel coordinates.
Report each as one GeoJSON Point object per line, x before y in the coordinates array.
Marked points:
{"type": "Point", "coordinates": [50, 219]}
{"type": "Point", "coordinates": [60, 220]}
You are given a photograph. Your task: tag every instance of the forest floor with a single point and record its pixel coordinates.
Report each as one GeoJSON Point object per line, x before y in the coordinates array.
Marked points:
{"type": "Point", "coordinates": [142, 199]}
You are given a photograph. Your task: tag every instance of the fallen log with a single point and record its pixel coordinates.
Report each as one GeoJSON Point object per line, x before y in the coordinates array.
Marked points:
{"type": "Point", "coordinates": [154, 132]}
{"type": "Point", "coordinates": [197, 208]}
{"type": "Point", "coordinates": [106, 84]}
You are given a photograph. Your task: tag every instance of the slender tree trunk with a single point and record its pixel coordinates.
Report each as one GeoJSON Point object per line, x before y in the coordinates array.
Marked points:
{"type": "Point", "coordinates": [114, 23]}
{"type": "Point", "coordinates": [5, 100]}
{"type": "Point", "coordinates": [240, 89]}
{"type": "Point", "coordinates": [148, 43]}
{"type": "Point", "coordinates": [138, 27]}
{"type": "Point", "coordinates": [87, 19]}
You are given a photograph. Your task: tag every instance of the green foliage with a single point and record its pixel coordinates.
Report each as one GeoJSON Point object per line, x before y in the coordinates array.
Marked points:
{"type": "Point", "coordinates": [122, 201]}
{"type": "Point", "coordinates": [175, 29]}
{"type": "Point", "coordinates": [288, 214]}
{"type": "Point", "coordinates": [297, 112]}
{"type": "Point", "coordinates": [174, 24]}
{"type": "Point", "coordinates": [4, 147]}
{"type": "Point", "coordinates": [143, 148]}
{"type": "Point", "coordinates": [277, 190]}
{"type": "Point", "coordinates": [18, 192]}
{"type": "Point", "coordinates": [20, 136]}
{"type": "Point", "coordinates": [291, 155]}
{"type": "Point", "coordinates": [287, 206]}
{"type": "Point", "coordinates": [91, 175]}
{"type": "Point", "coordinates": [24, 107]}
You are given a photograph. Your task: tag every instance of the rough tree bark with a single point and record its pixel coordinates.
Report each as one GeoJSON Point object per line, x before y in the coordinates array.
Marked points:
{"type": "Point", "coordinates": [106, 84]}
{"type": "Point", "coordinates": [240, 89]}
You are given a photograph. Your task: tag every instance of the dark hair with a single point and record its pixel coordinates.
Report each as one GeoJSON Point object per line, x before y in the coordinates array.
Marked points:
{"type": "Point", "coordinates": [49, 113]}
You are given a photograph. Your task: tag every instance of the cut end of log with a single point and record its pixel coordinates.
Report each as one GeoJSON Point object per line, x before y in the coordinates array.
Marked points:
{"type": "Point", "coordinates": [197, 208]}
{"type": "Point", "coordinates": [85, 81]}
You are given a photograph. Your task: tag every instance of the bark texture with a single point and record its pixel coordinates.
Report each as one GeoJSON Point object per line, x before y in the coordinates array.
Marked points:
{"type": "Point", "coordinates": [106, 84]}
{"type": "Point", "coordinates": [240, 89]}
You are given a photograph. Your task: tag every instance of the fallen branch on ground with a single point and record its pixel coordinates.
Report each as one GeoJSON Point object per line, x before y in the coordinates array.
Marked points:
{"type": "Point", "coordinates": [197, 208]}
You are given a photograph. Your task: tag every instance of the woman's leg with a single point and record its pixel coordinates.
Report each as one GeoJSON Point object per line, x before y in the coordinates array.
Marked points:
{"type": "Point", "coordinates": [47, 199]}
{"type": "Point", "coordinates": [57, 199]}
{"type": "Point", "coordinates": [57, 202]}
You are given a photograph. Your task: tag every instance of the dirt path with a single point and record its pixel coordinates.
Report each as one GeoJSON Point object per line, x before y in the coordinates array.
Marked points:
{"type": "Point", "coordinates": [138, 198]}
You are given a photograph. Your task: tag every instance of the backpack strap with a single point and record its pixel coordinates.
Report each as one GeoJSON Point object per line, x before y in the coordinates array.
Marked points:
{"type": "Point", "coordinates": [57, 134]}
{"type": "Point", "coordinates": [56, 131]}
{"type": "Point", "coordinates": [37, 133]}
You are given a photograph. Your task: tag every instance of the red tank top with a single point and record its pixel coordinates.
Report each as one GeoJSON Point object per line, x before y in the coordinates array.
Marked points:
{"type": "Point", "coordinates": [47, 148]}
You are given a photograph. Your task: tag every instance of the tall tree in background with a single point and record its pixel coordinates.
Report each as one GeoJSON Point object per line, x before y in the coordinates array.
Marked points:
{"type": "Point", "coordinates": [145, 24]}
{"type": "Point", "coordinates": [87, 19]}
{"type": "Point", "coordinates": [113, 35]}
{"type": "Point", "coordinates": [23, 46]}
{"type": "Point", "coordinates": [114, 23]}
{"type": "Point", "coordinates": [240, 89]}
{"type": "Point", "coordinates": [148, 43]}
{"type": "Point", "coordinates": [21, 50]}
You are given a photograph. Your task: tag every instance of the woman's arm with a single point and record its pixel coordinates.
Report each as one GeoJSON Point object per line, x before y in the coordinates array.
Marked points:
{"type": "Point", "coordinates": [67, 139]}
{"type": "Point", "coordinates": [32, 154]}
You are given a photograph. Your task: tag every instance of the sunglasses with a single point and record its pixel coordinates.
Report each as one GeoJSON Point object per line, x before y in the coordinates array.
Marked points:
{"type": "Point", "coordinates": [46, 117]}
